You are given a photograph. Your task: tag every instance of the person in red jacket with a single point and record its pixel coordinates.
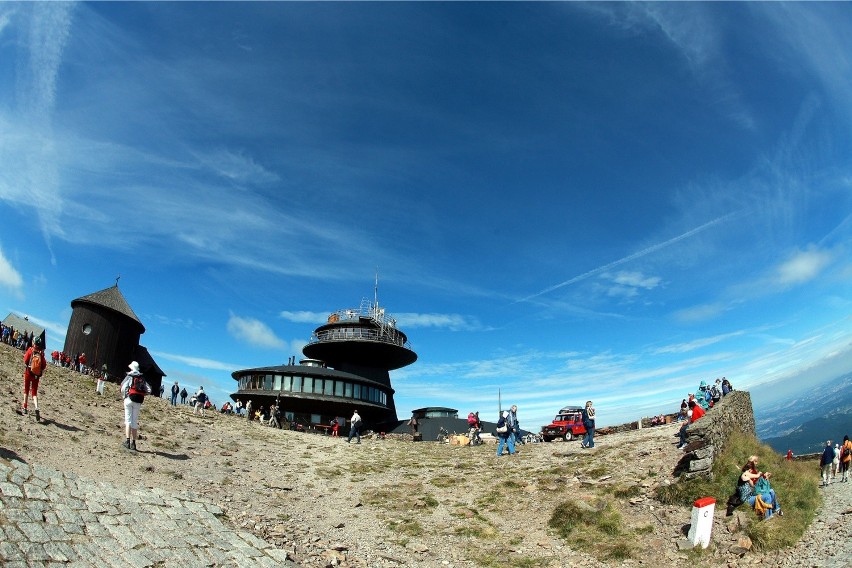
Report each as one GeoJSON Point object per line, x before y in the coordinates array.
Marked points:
{"type": "Point", "coordinates": [695, 412]}
{"type": "Point", "coordinates": [34, 365]}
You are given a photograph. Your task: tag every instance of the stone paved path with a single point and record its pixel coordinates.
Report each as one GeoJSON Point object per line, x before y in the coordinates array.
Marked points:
{"type": "Point", "coordinates": [51, 518]}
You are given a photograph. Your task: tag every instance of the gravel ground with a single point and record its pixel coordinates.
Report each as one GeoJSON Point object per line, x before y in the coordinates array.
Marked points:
{"type": "Point", "coordinates": [383, 502]}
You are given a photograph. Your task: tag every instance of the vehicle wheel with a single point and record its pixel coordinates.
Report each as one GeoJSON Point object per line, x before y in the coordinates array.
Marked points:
{"type": "Point", "coordinates": [569, 436]}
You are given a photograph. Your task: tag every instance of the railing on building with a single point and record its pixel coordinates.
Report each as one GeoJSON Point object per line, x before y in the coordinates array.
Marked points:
{"type": "Point", "coordinates": [385, 333]}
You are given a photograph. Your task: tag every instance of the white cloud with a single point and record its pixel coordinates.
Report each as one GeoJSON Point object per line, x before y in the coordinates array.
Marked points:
{"type": "Point", "coordinates": [9, 277]}
{"type": "Point", "coordinates": [305, 316]}
{"type": "Point", "coordinates": [255, 332]}
{"type": "Point", "coordinates": [803, 266]}
{"type": "Point", "coordinates": [628, 284]}
{"type": "Point", "coordinates": [454, 322]}
{"type": "Point", "coordinates": [700, 313]}
{"type": "Point", "coordinates": [199, 362]}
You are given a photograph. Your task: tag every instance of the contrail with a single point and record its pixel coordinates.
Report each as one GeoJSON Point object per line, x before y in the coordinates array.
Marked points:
{"type": "Point", "coordinates": [641, 253]}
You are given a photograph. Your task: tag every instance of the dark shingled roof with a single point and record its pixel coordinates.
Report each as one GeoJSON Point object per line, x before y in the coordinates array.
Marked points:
{"type": "Point", "coordinates": [113, 299]}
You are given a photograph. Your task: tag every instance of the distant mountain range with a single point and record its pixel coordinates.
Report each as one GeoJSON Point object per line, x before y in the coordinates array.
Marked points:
{"type": "Point", "coordinates": [804, 423]}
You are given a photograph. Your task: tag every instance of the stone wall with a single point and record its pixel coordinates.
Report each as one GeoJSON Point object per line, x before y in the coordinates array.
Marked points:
{"type": "Point", "coordinates": [706, 438]}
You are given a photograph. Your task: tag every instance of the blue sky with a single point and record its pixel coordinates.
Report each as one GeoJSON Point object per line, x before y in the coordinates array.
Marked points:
{"type": "Point", "coordinates": [563, 201]}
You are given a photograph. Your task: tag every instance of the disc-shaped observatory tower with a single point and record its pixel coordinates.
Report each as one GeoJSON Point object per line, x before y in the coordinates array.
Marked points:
{"type": "Point", "coordinates": [347, 367]}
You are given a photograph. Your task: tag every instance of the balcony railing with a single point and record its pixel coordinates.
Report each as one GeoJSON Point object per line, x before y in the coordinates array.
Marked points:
{"type": "Point", "coordinates": [386, 335]}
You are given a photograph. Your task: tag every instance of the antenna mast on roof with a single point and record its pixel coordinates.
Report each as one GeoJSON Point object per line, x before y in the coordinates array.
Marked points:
{"type": "Point", "coordinates": [376, 293]}
{"type": "Point", "coordinates": [117, 278]}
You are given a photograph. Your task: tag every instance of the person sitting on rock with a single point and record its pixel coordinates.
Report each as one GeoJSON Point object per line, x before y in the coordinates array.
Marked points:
{"type": "Point", "coordinates": [753, 488]}
{"type": "Point", "coordinates": [694, 413]}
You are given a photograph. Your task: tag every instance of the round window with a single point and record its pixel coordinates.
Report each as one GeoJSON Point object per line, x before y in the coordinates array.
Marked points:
{"type": "Point", "coordinates": [87, 328]}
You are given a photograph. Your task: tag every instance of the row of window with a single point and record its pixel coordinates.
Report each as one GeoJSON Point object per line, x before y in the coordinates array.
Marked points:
{"type": "Point", "coordinates": [313, 385]}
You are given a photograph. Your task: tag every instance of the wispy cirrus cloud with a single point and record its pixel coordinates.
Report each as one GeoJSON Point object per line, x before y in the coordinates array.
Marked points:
{"type": "Point", "coordinates": [198, 362]}
{"type": "Point", "coordinates": [695, 344]}
{"type": "Point", "coordinates": [239, 167]}
{"type": "Point", "coordinates": [644, 252]}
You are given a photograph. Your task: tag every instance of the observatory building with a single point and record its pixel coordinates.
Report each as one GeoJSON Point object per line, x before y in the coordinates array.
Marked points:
{"type": "Point", "coordinates": [346, 368]}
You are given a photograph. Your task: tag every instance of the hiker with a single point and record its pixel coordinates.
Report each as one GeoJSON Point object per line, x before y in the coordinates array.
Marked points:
{"type": "Point", "coordinates": [835, 463]}
{"type": "Point", "coordinates": [716, 392]}
{"type": "Point", "coordinates": [753, 488]}
{"type": "Point", "coordinates": [505, 435]}
{"type": "Point", "coordinates": [354, 427]}
{"type": "Point", "coordinates": [825, 463]}
{"type": "Point", "coordinates": [133, 388]}
{"type": "Point", "coordinates": [412, 424]}
{"type": "Point", "coordinates": [694, 413]}
{"type": "Point", "coordinates": [102, 377]}
{"type": "Point", "coordinates": [183, 395]}
{"type": "Point", "coordinates": [589, 425]}
{"type": "Point", "coordinates": [845, 458]}
{"type": "Point", "coordinates": [34, 365]}
{"type": "Point", "coordinates": [516, 426]}
{"type": "Point", "coordinates": [175, 393]}
{"type": "Point", "coordinates": [200, 401]}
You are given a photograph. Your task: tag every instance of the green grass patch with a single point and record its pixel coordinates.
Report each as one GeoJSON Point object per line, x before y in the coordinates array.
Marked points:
{"type": "Point", "coordinates": [597, 471]}
{"type": "Point", "coordinates": [401, 498]}
{"type": "Point", "coordinates": [410, 527]}
{"type": "Point", "coordinates": [595, 528]}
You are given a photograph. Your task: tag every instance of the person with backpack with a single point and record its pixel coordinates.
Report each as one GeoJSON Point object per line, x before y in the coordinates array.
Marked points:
{"type": "Point", "coordinates": [34, 365]}
{"type": "Point", "coordinates": [716, 392]}
{"type": "Point", "coordinates": [183, 395]}
{"type": "Point", "coordinates": [133, 389]}
{"type": "Point", "coordinates": [845, 458]}
{"type": "Point", "coordinates": [354, 427]}
{"type": "Point", "coordinates": [505, 435]}
{"type": "Point", "coordinates": [200, 401]}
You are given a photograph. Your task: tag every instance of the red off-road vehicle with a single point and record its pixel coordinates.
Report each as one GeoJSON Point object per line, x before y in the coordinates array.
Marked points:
{"type": "Point", "coordinates": [568, 425]}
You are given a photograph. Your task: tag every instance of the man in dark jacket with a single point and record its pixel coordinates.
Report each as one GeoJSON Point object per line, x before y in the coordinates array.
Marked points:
{"type": "Point", "coordinates": [825, 463]}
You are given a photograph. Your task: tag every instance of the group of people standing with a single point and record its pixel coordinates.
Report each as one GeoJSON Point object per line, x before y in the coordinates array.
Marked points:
{"type": "Point", "coordinates": [15, 337]}
{"type": "Point", "coordinates": [836, 460]}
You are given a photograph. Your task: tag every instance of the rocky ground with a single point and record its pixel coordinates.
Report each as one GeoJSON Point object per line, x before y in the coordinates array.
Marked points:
{"type": "Point", "coordinates": [384, 502]}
